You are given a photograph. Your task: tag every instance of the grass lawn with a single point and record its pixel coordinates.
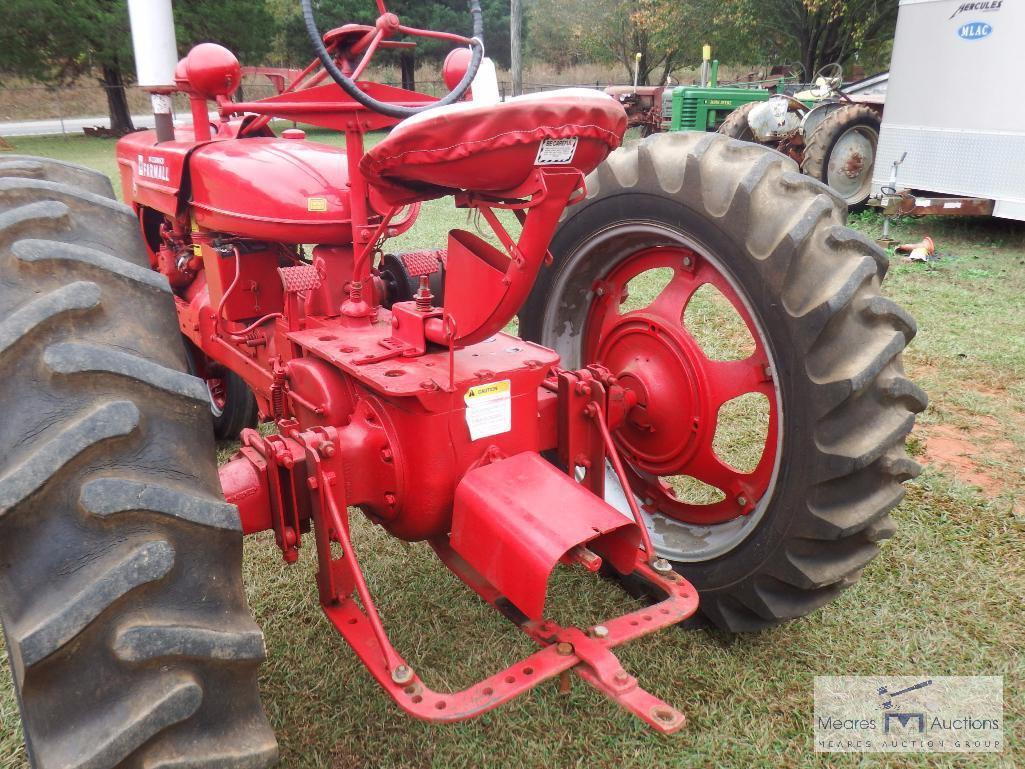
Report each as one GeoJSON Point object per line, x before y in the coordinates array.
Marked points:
{"type": "Point", "coordinates": [943, 598]}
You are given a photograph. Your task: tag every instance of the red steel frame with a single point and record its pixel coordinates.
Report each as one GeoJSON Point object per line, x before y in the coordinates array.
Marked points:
{"type": "Point", "coordinates": [370, 403]}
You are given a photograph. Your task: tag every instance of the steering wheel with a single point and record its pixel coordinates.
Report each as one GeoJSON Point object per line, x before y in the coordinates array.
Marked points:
{"type": "Point", "coordinates": [388, 24]}
{"type": "Point", "coordinates": [831, 73]}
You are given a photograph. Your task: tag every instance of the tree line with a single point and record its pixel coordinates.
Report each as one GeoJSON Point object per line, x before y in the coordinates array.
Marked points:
{"type": "Point", "coordinates": [60, 41]}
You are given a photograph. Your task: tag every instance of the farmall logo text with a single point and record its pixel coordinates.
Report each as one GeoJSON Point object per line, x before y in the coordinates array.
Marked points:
{"type": "Point", "coordinates": [153, 167]}
{"type": "Point", "coordinates": [992, 5]}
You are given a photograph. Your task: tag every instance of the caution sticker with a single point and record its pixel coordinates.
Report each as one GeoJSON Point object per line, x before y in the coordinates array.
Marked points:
{"type": "Point", "coordinates": [489, 409]}
{"type": "Point", "coordinates": [556, 151]}
{"type": "Point", "coordinates": [316, 204]}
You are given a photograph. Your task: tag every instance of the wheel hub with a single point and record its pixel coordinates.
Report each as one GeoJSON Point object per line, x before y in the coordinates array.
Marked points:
{"type": "Point", "coordinates": [850, 163]}
{"type": "Point", "coordinates": [665, 428]}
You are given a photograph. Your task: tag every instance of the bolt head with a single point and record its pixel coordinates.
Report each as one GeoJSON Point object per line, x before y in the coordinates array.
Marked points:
{"type": "Point", "coordinates": [687, 261]}
{"type": "Point", "coordinates": [563, 648]}
{"type": "Point", "coordinates": [742, 501]}
{"type": "Point", "coordinates": [661, 565]}
{"type": "Point", "coordinates": [621, 677]}
{"type": "Point", "coordinates": [599, 631]}
{"type": "Point", "coordinates": [402, 674]}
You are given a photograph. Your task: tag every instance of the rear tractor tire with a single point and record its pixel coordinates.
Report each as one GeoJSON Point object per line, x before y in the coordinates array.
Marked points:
{"type": "Point", "coordinates": [704, 272]}
{"type": "Point", "coordinates": [736, 126]}
{"type": "Point", "coordinates": [841, 151]}
{"type": "Point", "coordinates": [127, 629]}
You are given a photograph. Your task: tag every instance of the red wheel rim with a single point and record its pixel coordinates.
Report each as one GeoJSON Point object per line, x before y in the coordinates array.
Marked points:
{"type": "Point", "coordinates": [679, 389]}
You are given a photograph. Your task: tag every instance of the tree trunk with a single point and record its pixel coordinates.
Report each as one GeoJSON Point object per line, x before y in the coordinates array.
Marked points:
{"type": "Point", "coordinates": [117, 100]}
{"type": "Point", "coordinates": [407, 65]}
{"type": "Point", "coordinates": [515, 42]}
{"type": "Point", "coordinates": [644, 69]}
{"type": "Point", "coordinates": [667, 68]}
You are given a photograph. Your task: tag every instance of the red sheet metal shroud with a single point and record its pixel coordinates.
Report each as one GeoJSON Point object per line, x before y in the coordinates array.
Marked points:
{"type": "Point", "coordinates": [493, 147]}
{"type": "Point", "coordinates": [515, 519]}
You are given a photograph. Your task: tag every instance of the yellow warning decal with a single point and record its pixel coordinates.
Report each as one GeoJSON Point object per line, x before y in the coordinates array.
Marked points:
{"type": "Point", "coordinates": [492, 388]}
{"type": "Point", "coordinates": [316, 204]}
{"type": "Point", "coordinates": [489, 409]}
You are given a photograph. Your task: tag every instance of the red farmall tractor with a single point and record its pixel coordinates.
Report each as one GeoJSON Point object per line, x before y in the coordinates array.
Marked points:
{"type": "Point", "coordinates": [395, 389]}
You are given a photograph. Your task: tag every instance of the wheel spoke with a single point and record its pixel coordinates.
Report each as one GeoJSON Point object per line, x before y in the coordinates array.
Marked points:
{"type": "Point", "coordinates": [708, 468]}
{"type": "Point", "coordinates": [731, 379]}
{"type": "Point", "coordinates": [673, 299]}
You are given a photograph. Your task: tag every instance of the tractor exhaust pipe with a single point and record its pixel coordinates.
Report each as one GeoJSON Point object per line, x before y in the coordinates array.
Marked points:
{"type": "Point", "coordinates": [156, 56]}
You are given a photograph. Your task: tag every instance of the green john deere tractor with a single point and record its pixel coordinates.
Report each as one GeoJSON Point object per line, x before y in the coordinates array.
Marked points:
{"type": "Point", "coordinates": [830, 130]}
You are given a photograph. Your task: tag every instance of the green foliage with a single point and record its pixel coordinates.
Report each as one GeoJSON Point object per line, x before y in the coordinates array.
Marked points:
{"type": "Point", "coordinates": [246, 27]}
{"type": "Point", "coordinates": [669, 33]}
{"type": "Point", "coordinates": [812, 32]}
{"type": "Point", "coordinates": [57, 40]}
{"type": "Point", "coordinates": [54, 41]}
{"type": "Point", "coordinates": [566, 32]}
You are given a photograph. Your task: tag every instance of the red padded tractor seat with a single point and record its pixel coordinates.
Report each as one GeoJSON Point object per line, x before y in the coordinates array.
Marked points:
{"type": "Point", "coordinates": [493, 148]}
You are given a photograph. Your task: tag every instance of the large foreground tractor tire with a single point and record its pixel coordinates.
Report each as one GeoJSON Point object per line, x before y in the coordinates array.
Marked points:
{"type": "Point", "coordinates": [841, 151]}
{"type": "Point", "coordinates": [721, 286]}
{"type": "Point", "coordinates": [129, 637]}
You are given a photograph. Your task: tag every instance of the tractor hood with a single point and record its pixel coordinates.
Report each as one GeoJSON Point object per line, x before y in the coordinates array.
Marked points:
{"type": "Point", "coordinates": [288, 190]}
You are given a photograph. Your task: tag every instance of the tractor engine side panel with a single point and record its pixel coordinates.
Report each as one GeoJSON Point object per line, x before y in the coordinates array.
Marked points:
{"type": "Point", "coordinates": [152, 175]}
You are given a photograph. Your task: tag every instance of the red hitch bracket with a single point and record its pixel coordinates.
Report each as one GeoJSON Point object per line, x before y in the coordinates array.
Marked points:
{"type": "Point", "coordinates": [308, 456]}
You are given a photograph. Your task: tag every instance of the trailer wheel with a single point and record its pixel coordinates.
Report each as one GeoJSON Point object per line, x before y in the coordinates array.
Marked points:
{"type": "Point", "coordinates": [127, 629]}
{"type": "Point", "coordinates": [706, 272]}
{"type": "Point", "coordinates": [841, 151]}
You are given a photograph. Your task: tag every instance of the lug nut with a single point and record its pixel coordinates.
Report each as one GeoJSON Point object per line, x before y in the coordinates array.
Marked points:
{"type": "Point", "coordinates": [599, 631]}
{"type": "Point", "coordinates": [402, 674]}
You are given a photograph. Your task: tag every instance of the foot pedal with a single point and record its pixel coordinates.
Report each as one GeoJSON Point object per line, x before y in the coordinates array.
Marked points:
{"type": "Point", "coordinates": [299, 278]}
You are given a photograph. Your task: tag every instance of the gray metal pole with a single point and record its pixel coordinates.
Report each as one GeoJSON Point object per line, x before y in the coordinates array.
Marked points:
{"type": "Point", "coordinates": [515, 45]}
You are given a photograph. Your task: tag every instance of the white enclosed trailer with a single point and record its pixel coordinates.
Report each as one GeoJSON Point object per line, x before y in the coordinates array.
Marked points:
{"type": "Point", "coordinates": [955, 102]}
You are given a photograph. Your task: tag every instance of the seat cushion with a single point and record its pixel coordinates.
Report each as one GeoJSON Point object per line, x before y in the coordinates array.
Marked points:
{"type": "Point", "coordinates": [493, 148]}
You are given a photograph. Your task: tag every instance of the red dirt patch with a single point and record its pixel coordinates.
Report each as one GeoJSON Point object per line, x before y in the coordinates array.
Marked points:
{"type": "Point", "coordinates": [953, 449]}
